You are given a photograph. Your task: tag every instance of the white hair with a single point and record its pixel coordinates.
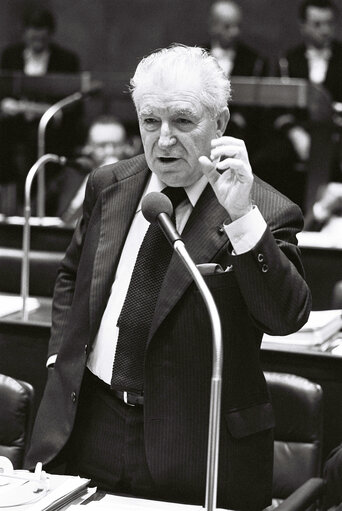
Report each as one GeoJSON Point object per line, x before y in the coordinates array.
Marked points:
{"type": "Point", "coordinates": [179, 61]}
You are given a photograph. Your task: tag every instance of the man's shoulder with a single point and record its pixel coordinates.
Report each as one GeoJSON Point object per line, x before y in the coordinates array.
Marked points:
{"type": "Point", "coordinates": [337, 49]}
{"type": "Point", "coordinates": [270, 201]}
{"type": "Point", "coordinates": [13, 51]}
{"type": "Point", "coordinates": [107, 175]}
{"type": "Point", "coordinates": [295, 52]}
{"type": "Point", "coordinates": [64, 57]}
{"type": "Point", "coordinates": [245, 50]}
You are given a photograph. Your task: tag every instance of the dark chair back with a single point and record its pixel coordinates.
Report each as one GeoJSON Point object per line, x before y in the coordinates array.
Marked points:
{"type": "Point", "coordinates": [43, 271]}
{"type": "Point", "coordinates": [16, 406]}
{"type": "Point", "coordinates": [298, 409]}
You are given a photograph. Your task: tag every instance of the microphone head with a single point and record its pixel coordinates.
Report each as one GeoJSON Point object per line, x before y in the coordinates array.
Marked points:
{"type": "Point", "coordinates": [155, 203]}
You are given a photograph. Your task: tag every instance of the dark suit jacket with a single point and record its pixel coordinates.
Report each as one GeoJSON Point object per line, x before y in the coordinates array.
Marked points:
{"type": "Point", "coordinates": [264, 291]}
{"type": "Point", "coordinates": [60, 61]}
{"type": "Point", "coordinates": [298, 68]}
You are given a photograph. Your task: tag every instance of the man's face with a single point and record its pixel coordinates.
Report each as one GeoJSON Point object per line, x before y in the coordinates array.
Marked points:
{"type": "Point", "coordinates": [176, 129]}
{"type": "Point", "coordinates": [106, 143]}
{"type": "Point", "coordinates": [318, 28]}
{"type": "Point", "coordinates": [224, 24]}
{"type": "Point", "coordinates": [37, 39]}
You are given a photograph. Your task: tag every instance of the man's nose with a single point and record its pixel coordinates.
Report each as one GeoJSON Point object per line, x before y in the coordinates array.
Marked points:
{"type": "Point", "coordinates": [166, 137]}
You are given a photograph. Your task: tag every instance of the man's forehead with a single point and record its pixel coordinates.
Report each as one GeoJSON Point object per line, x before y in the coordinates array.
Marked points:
{"type": "Point", "coordinates": [149, 106]}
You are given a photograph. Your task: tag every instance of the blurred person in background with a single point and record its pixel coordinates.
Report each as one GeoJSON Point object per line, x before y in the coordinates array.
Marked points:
{"type": "Point", "coordinates": [318, 59]}
{"type": "Point", "coordinates": [326, 213]}
{"type": "Point", "coordinates": [35, 55]}
{"type": "Point", "coordinates": [236, 59]}
{"type": "Point", "coordinates": [107, 142]}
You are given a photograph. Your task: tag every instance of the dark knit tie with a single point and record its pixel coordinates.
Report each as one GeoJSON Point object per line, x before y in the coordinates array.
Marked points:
{"type": "Point", "coordinates": [137, 311]}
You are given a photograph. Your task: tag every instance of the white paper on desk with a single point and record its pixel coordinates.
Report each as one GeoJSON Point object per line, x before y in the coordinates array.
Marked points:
{"type": "Point", "coordinates": [63, 490]}
{"type": "Point", "coordinates": [318, 239]}
{"type": "Point", "coordinates": [117, 503]}
{"type": "Point", "coordinates": [10, 304]}
{"type": "Point", "coordinates": [320, 326]}
{"type": "Point", "coordinates": [34, 220]}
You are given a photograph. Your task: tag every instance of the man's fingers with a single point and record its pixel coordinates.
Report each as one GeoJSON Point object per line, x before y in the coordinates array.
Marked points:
{"type": "Point", "coordinates": [209, 169]}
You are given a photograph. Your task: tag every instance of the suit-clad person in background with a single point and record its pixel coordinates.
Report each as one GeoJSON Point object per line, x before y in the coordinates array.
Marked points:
{"type": "Point", "coordinates": [35, 55]}
{"type": "Point", "coordinates": [236, 59]}
{"type": "Point", "coordinates": [129, 326]}
{"type": "Point", "coordinates": [326, 212]}
{"type": "Point", "coordinates": [318, 59]}
{"type": "Point", "coordinates": [106, 143]}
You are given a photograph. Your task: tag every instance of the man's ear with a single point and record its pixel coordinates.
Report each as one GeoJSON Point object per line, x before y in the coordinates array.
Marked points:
{"type": "Point", "coordinates": [222, 121]}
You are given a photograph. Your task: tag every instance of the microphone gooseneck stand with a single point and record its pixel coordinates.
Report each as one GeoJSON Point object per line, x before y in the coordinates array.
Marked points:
{"type": "Point", "coordinates": [44, 120]}
{"type": "Point", "coordinates": [25, 267]}
{"type": "Point", "coordinates": [216, 377]}
{"type": "Point", "coordinates": [156, 207]}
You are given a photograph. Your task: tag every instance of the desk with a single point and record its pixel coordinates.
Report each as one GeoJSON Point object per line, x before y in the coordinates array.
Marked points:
{"type": "Point", "coordinates": [323, 268]}
{"type": "Point", "coordinates": [320, 365]}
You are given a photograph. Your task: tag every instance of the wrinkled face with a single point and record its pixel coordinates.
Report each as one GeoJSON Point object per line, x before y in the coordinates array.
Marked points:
{"type": "Point", "coordinates": [176, 129]}
{"type": "Point", "coordinates": [37, 39]}
{"type": "Point", "coordinates": [318, 29]}
{"type": "Point", "coordinates": [106, 143]}
{"type": "Point", "coordinates": [224, 24]}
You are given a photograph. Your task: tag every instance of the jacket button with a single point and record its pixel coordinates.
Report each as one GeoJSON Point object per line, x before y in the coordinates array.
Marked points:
{"type": "Point", "coordinates": [264, 268]}
{"type": "Point", "coordinates": [260, 258]}
{"type": "Point", "coordinates": [73, 397]}
{"type": "Point", "coordinates": [220, 229]}
{"type": "Point", "coordinates": [86, 348]}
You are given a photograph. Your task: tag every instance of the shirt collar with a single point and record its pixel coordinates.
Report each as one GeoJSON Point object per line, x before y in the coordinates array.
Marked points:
{"type": "Point", "coordinates": [217, 51]}
{"type": "Point", "coordinates": [313, 52]}
{"type": "Point", "coordinates": [193, 191]}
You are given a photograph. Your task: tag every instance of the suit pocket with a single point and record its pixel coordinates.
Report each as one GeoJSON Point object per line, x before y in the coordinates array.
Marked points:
{"type": "Point", "coordinates": [247, 421]}
{"type": "Point", "coordinates": [218, 281]}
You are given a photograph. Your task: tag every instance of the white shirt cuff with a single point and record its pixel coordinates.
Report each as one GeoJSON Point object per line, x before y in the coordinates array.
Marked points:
{"type": "Point", "coordinates": [245, 232]}
{"type": "Point", "coordinates": [51, 360]}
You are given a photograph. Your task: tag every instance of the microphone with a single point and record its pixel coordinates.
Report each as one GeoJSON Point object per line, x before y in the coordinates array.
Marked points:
{"type": "Point", "coordinates": [157, 207]}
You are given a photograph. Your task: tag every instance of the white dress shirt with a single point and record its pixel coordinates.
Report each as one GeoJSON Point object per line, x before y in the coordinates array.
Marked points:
{"type": "Point", "coordinates": [225, 58]}
{"type": "Point", "coordinates": [36, 64]}
{"type": "Point", "coordinates": [243, 233]}
{"type": "Point", "coordinates": [318, 61]}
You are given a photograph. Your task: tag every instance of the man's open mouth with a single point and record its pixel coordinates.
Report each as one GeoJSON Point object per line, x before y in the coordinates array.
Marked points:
{"type": "Point", "coordinates": [166, 159]}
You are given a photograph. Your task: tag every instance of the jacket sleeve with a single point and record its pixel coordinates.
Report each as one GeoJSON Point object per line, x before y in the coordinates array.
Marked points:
{"type": "Point", "coordinates": [271, 275]}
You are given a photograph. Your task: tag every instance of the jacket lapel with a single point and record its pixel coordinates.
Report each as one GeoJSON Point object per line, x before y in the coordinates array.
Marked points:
{"type": "Point", "coordinates": [203, 238]}
{"type": "Point", "coordinates": [118, 206]}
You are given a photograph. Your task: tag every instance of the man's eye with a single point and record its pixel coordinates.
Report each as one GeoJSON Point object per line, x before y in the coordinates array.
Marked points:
{"type": "Point", "coordinates": [150, 120]}
{"type": "Point", "coordinates": [183, 121]}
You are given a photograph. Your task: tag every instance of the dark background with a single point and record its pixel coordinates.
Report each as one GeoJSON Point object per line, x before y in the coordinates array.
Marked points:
{"type": "Point", "coordinates": [112, 35]}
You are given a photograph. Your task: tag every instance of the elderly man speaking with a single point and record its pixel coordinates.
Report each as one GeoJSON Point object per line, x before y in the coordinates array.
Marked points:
{"type": "Point", "coordinates": [127, 398]}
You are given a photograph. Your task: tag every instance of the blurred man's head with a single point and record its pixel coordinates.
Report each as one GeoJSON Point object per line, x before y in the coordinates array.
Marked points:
{"type": "Point", "coordinates": [318, 22]}
{"type": "Point", "coordinates": [224, 23]}
{"type": "Point", "coordinates": [39, 28]}
{"type": "Point", "coordinates": [107, 140]}
{"type": "Point", "coordinates": [181, 96]}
